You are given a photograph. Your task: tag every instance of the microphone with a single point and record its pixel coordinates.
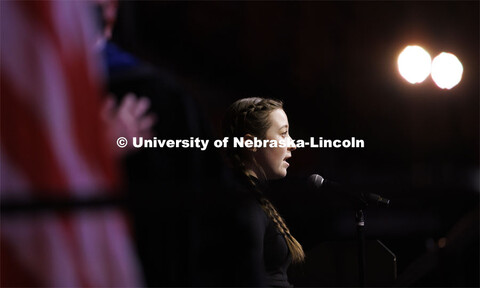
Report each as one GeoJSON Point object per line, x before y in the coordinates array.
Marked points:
{"type": "Point", "coordinates": [330, 188]}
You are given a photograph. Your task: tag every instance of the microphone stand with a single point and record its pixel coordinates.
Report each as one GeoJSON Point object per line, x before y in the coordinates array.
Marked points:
{"type": "Point", "coordinates": [360, 219]}
{"type": "Point", "coordinates": [317, 181]}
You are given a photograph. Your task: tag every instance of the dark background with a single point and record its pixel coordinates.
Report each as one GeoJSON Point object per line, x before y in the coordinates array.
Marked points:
{"type": "Point", "coordinates": [334, 66]}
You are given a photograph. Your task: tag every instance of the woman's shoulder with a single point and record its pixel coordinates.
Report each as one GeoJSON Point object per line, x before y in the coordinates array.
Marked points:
{"type": "Point", "coordinates": [246, 208]}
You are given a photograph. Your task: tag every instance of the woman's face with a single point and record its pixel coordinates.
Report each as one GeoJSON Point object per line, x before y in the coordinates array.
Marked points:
{"type": "Point", "coordinates": [274, 160]}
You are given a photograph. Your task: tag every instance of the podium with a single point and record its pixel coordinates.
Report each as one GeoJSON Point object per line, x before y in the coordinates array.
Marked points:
{"type": "Point", "coordinates": [335, 264]}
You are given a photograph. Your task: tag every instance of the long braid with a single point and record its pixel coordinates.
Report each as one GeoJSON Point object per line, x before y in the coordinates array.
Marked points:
{"type": "Point", "coordinates": [295, 248]}
{"type": "Point", "coordinates": [239, 126]}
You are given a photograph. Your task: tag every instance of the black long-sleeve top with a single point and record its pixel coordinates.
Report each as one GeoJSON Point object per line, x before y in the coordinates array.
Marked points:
{"type": "Point", "coordinates": [244, 247]}
{"type": "Point", "coordinates": [267, 246]}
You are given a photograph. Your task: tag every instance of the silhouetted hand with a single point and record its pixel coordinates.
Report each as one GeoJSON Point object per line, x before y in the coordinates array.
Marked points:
{"type": "Point", "coordinates": [129, 119]}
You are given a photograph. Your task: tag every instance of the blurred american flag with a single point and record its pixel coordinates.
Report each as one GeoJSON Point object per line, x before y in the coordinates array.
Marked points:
{"type": "Point", "coordinates": [52, 147]}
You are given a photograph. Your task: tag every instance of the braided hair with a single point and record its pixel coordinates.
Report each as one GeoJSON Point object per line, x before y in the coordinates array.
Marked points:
{"type": "Point", "coordinates": [251, 116]}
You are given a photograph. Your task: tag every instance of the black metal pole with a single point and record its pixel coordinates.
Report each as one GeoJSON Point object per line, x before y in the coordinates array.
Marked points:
{"type": "Point", "coordinates": [360, 219]}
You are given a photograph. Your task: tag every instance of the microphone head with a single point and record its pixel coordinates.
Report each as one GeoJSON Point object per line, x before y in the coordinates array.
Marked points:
{"type": "Point", "coordinates": [315, 181]}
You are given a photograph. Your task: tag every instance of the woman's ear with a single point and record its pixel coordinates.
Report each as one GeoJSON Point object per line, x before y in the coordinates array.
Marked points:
{"type": "Point", "coordinates": [252, 138]}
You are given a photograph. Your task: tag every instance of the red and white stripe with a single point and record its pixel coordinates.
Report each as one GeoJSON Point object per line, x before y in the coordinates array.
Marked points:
{"type": "Point", "coordinates": [52, 143]}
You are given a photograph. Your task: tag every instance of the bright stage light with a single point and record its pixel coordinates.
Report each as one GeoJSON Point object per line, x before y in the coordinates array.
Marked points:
{"type": "Point", "coordinates": [447, 70]}
{"type": "Point", "coordinates": [414, 64]}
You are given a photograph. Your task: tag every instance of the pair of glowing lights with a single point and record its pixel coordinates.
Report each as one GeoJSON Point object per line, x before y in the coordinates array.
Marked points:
{"type": "Point", "coordinates": [415, 64]}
